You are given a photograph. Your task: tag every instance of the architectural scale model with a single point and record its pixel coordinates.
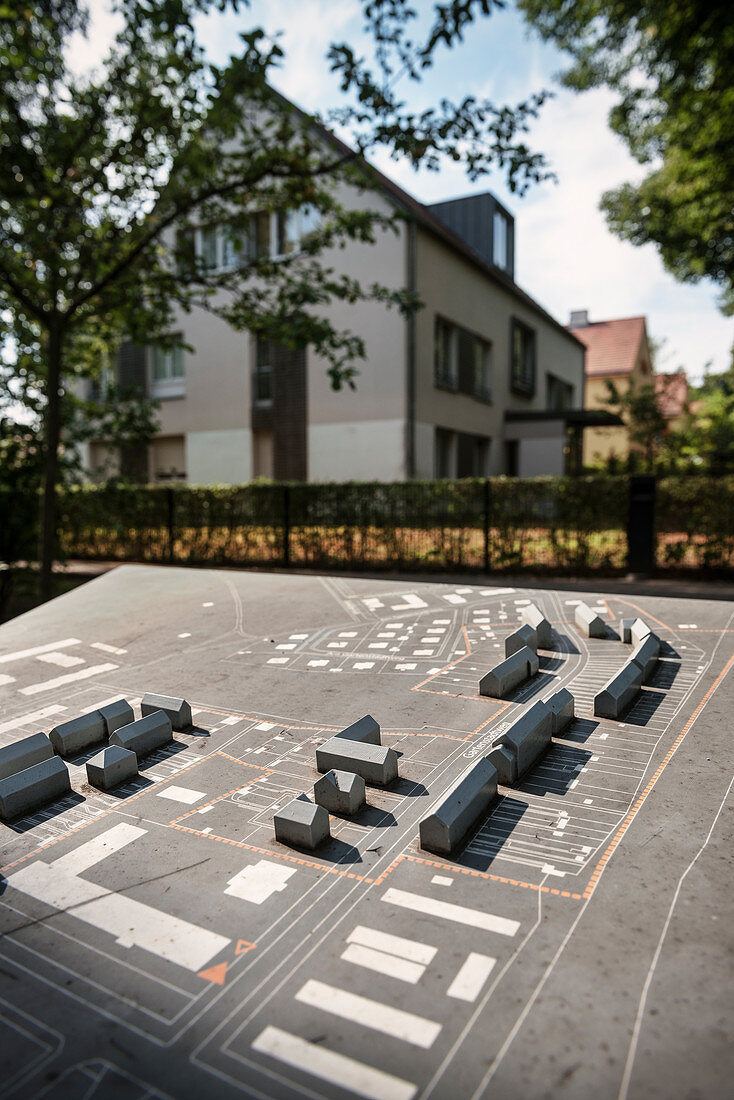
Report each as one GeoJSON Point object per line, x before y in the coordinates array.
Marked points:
{"type": "Point", "coordinates": [264, 836]}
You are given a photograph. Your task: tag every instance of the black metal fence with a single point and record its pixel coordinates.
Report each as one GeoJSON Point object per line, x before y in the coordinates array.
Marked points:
{"type": "Point", "coordinates": [567, 526]}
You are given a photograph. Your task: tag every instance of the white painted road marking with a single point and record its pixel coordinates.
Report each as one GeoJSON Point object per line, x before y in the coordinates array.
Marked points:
{"type": "Point", "coordinates": [442, 880]}
{"type": "Point", "coordinates": [134, 924]}
{"type": "Point", "coordinates": [381, 963]}
{"type": "Point", "coordinates": [35, 716]}
{"type": "Point", "coordinates": [70, 678]}
{"type": "Point", "coordinates": [327, 1065]}
{"type": "Point", "coordinates": [94, 851]}
{"type": "Point", "coordinates": [63, 660]}
{"type": "Point", "coordinates": [409, 600]}
{"type": "Point", "coordinates": [361, 1010]}
{"type": "Point", "coordinates": [468, 983]}
{"type": "Point", "coordinates": [181, 794]}
{"type": "Point", "coordinates": [6, 680]}
{"type": "Point", "coordinates": [416, 952]}
{"type": "Point", "coordinates": [20, 653]}
{"type": "Point", "coordinates": [131, 922]}
{"type": "Point", "coordinates": [256, 883]}
{"type": "Point", "coordinates": [108, 648]}
{"type": "Point", "coordinates": [458, 913]}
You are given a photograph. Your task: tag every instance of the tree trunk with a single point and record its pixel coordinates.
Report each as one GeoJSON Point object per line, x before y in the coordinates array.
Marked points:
{"type": "Point", "coordinates": [52, 436]}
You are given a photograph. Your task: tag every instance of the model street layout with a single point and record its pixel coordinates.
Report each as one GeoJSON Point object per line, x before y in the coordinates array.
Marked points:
{"type": "Point", "coordinates": [157, 940]}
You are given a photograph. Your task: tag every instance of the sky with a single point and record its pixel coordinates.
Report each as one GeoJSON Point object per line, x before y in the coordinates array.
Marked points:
{"type": "Point", "coordinates": [566, 258]}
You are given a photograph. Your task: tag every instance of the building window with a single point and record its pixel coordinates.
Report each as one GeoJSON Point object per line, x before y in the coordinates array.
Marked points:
{"type": "Point", "coordinates": [294, 226]}
{"type": "Point", "coordinates": [463, 361]}
{"type": "Point", "coordinates": [269, 234]}
{"type": "Point", "coordinates": [475, 378]}
{"type": "Point", "coordinates": [512, 456]}
{"type": "Point", "coordinates": [445, 453]}
{"type": "Point", "coordinates": [522, 366]}
{"type": "Point", "coordinates": [499, 240]}
{"type": "Point", "coordinates": [559, 394]}
{"type": "Point", "coordinates": [263, 375]}
{"type": "Point", "coordinates": [168, 376]}
{"type": "Point", "coordinates": [445, 365]}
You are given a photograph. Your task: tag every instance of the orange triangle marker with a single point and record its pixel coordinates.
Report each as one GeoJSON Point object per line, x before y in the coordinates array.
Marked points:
{"type": "Point", "coordinates": [215, 974]}
{"type": "Point", "coordinates": [243, 946]}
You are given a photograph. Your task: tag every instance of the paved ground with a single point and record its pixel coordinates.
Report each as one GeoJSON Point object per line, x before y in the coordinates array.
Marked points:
{"type": "Point", "coordinates": [159, 942]}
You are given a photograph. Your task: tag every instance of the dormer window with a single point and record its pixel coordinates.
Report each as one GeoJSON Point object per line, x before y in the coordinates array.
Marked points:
{"type": "Point", "coordinates": [499, 241]}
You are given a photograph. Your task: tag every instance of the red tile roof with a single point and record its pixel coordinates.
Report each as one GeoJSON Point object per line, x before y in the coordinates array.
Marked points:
{"type": "Point", "coordinates": [671, 391]}
{"type": "Point", "coordinates": [611, 346]}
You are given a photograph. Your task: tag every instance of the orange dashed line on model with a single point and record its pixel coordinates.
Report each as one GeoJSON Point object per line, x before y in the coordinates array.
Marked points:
{"type": "Point", "coordinates": [271, 854]}
{"type": "Point", "coordinates": [94, 820]}
{"type": "Point", "coordinates": [474, 874]}
{"type": "Point", "coordinates": [614, 842]}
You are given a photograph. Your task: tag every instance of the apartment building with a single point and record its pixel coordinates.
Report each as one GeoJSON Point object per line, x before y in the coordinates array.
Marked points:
{"type": "Point", "coordinates": [480, 381]}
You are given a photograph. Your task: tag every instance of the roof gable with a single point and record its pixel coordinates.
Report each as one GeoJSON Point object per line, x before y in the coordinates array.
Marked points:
{"type": "Point", "coordinates": [612, 347]}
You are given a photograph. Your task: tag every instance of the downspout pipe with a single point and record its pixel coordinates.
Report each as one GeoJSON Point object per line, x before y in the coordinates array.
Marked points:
{"type": "Point", "coordinates": [411, 249]}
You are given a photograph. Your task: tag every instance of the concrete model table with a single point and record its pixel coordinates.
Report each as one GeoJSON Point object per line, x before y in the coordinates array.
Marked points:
{"type": "Point", "coordinates": [158, 941]}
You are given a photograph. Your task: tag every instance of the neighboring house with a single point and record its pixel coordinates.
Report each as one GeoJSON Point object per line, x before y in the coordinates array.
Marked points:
{"type": "Point", "coordinates": [480, 381]}
{"type": "Point", "coordinates": [616, 351]}
{"type": "Point", "coordinates": [671, 391]}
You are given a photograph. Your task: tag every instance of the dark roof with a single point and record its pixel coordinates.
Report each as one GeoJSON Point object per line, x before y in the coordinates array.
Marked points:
{"type": "Point", "coordinates": [423, 216]}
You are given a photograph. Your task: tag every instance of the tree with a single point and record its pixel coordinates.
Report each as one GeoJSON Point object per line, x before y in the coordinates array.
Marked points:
{"type": "Point", "coordinates": [107, 174]}
{"type": "Point", "coordinates": [708, 439]}
{"type": "Point", "coordinates": [673, 67]}
{"type": "Point", "coordinates": [646, 426]}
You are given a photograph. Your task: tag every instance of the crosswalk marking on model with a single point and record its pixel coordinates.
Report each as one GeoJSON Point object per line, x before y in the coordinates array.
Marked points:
{"type": "Point", "coordinates": [413, 950]}
{"type": "Point", "coordinates": [368, 1013]}
{"type": "Point", "coordinates": [449, 911]}
{"type": "Point", "coordinates": [389, 965]}
{"type": "Point", "coordinates": [469, 982]}
{"type": "Point", "coordinates": [346, 1073]}
{"type": "Point", "coordinates": [70, 678]}
{"type": "Point", "coordinates": [35, 650]}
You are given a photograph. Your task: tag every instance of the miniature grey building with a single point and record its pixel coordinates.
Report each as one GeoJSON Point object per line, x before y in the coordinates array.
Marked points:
{"type": "Point", "coordinates": [589, 623]}
{"type": "Point", "coordinates": [504, 763]}
{"type": "Point", "coordinates": [561, 706]}
{"type": "Point", "coordinates": [78, 734]}
{"type": "Point", "coordinates": [510, 673]}
{"type": "Point", "coordinates": [638, 631]}
{"type": "Point", "coordinates": [529, 736]}
{"type": "Point", "coordinates": [117, 714]}
{"type": "Point", "coordinates": [301, 824]}
{"type": "Point", "coordinates": [340, 792]}
{"type": "Point", "coordinates": [619, 693]}
{"type": "Point", "coordinates": [646, 654]}
{"type": "Point", "coordinates": [533, 616]}
{"type": "Point", "coordinates": [366, 729]}
{"type": "Point", "coordinates": [524, 636]}
{"type": "Point", "coordinates": [625, 626]}
{"type": "Point", "coordinates": [146, 735]}
{"type": "Point", "coordinates": [24, 754]}
{"type": "Point", "coordinates": [460, 809]}
{"type": "Point", "coordinates": [178, 710]}
{"type": "Point", "coordinates": [111, 767]}
{"type": "Point", "coordinates": [25, 791]}
{"type": "Point", "coordinates": [375, 763]}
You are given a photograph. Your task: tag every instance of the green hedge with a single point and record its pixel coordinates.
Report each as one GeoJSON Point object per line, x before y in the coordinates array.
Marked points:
{"type": "Point", "coordinates": [554, 525]}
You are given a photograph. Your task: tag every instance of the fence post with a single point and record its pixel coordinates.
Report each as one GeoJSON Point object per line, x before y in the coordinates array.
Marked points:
{"type": "Point", "coordinates": [486, 525]}
{"type": "Point", "coordinates": [286, 525]}
{"type": "Point", "coordinates": [641, 542]}
{"type": "Point", "coordinates": [170, 522]}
